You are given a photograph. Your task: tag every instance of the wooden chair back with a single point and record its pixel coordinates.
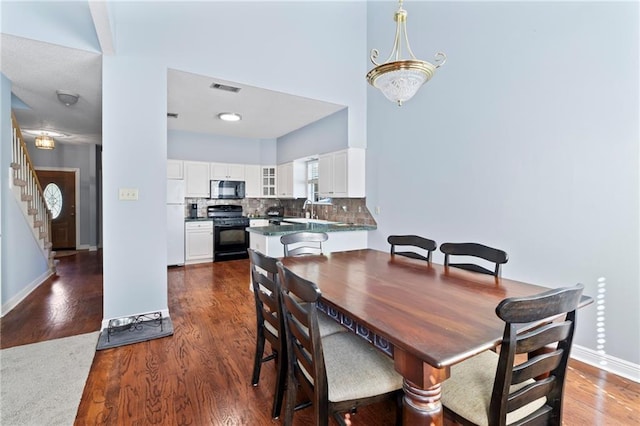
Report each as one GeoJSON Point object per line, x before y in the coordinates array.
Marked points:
{"type": "Point", "coordinates": [497, 256]}
{"type": "Point", "coordinates": [270, 321]}
{"type": "Point", "coordinates": [306, 362]}
{"type": "Point", "coordinates": [303, 243]}
{"type": "Point", "coordinates": [548, 347]}
{"type": "Point", "coordinates": [413, 241]}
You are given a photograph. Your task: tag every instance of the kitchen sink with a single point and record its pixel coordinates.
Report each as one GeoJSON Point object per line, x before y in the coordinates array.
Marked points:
{"type": "Point", "coordinates": [304, 220]}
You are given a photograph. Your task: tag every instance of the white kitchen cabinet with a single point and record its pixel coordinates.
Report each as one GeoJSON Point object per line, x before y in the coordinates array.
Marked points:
{"type": "Point", "coordinates": [269, 188]}
{"type": "Point", "coordinates": [196, 175]}
{"type": "Point", "coordinates": [270, 245]}
{"type": "Point", "coordinates": [199, 241]}
{"type": "Point", "coordinates": [341, 174]}
{"type": "Point", "coordinates": [175, 169]}
{"type": "Point", "coordinates": [291, 180]}
{"type": "Point", "coordinates": [253, 181]}
{"type": "Point", "coordinates": [226, 171]}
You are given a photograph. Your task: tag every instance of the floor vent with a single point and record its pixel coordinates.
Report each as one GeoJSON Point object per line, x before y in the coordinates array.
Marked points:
{"type": "Point", "coordinates": [134, 329]}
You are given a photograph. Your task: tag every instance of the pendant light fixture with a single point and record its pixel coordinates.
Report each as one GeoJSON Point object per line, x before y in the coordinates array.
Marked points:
{"type": "Point", "coordinates": [399, 79]}
{"type": "Point", "coordinates": [45, 142]}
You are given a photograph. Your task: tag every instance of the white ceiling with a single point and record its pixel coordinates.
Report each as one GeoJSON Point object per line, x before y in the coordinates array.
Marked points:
{"type": "Point", "coordinates": [37, 69]}
{"type": "Point", "coordinates": [266, 114]}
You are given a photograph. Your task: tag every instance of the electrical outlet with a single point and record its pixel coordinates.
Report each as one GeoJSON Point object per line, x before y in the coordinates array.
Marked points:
{"type": "Point", "coordinates": [377, 209]}
{"type": "Point", "coordinates": [128, 194]}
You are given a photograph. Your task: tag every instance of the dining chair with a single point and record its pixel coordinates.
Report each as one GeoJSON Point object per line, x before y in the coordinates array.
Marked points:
{"type": "Point", "coordinates": [270, 323]}
{"type": "Point", "coordinates": [303, 243]}
{"type": "Point", "coordinates": [497, 256]}
{"type": "Point", "coordinates": [337, 373]}
{"type": "Point", "coordinates": [414, 241]}
{"type": "Point", "coordinates": [489, 389]}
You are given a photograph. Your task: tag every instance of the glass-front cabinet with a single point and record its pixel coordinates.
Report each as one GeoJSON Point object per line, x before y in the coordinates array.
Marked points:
{"type": "Point", "coordinates": [269, 181]}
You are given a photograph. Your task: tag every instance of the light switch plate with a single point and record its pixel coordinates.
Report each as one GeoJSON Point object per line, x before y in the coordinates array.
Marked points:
{"type": "Point", "coordinates": [128, 194]}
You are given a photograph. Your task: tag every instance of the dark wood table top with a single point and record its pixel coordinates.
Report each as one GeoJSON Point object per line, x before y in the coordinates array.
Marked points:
{"type": "Point", "coordinates": [439, 315]}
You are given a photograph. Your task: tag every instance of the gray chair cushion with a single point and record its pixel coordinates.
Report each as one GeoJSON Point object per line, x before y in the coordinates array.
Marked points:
{"type": "Point", "coordinates": [355, 369]}
{"type": "Point", "coordinates": [328, 325]}
{"type": "Point", "coordinates": [468, 391]}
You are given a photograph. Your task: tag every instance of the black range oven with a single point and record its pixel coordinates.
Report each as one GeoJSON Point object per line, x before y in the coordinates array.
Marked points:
{"type": "Point", "coordinates": [230, 238]}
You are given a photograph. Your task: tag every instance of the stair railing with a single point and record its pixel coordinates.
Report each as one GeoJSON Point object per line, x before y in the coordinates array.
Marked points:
{"type": "Point", "coordinates": [24, 176]}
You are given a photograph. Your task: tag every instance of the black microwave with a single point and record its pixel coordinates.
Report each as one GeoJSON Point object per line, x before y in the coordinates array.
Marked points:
{"type": "Point", "coordinates": [227, 189]}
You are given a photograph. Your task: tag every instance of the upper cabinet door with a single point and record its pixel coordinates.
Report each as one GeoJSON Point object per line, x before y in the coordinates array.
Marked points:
{"type": "Point", "coordinates": [219, 171]}
{"type": "Point", "coordinates": [269, 182]}
{"type": "Point", "coordinates": [236, 171]}
{"type": "Point", "coordinates": [253, 179]}
{"type": "Point", "coordinates": [175, 169]}
{"type": "Point", "coordinates": [196, 175]}
{"type": "Point", "coordinates": [325, 175]}
{"type": "Point", "coordinates": [341, 174]}
{"type": "Point", "coordinates": [225, 171]}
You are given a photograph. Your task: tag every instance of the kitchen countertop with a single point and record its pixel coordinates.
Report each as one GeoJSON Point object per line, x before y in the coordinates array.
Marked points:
{"type": "Point", "coordinates": [295, 227]}
{"type": "Point", "coordinates": [312, 227]}
{"type": "Point", "coordinates": [199, 219]}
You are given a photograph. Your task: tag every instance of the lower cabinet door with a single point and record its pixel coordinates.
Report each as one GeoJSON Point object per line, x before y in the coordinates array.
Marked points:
{"type": "Point", "coordinates": [199, 243]}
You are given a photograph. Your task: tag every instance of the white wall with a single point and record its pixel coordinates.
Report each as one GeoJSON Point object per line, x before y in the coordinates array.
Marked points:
{"type": "Point", "coordinates": [182, 145]}
{"type": "Point", "coordinates": [326, 135]}
{"type": "Point", "coordinates": [527, 140]}
{"type": "Point", "coordinates": [134, 155]}
{"type": "Point", "coordinates": [22, 264]}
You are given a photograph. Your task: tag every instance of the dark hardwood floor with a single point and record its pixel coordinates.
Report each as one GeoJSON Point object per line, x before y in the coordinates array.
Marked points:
{"type": "Point", "coordinates": [201, 375]}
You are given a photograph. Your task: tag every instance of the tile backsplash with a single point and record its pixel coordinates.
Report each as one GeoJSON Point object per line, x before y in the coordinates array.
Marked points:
{"type": "Point", "coordinates": [349, 210]}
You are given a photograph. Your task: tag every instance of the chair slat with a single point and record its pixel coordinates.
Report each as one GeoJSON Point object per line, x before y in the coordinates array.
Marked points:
{"type": "Point", "coordinates": [412, 241]}
{"type": "Point", "coordinates": [530, 393]}
{"type": "Point", "coordinates": [542, 336]}
{"type": "Point", "coordinates": [490, 254]}
{"type": "Point", "coordinates": [303, 243]}
{"type": "Point", "coordinates": [537, 366]}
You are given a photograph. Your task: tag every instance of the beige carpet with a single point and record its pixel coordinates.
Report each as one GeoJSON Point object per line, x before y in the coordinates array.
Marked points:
{"type": "Point", "coordinates": [42, 383]}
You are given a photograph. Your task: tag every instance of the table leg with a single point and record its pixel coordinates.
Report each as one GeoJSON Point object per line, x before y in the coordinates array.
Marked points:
{"type": "Point", "coordinates": [422, 389]}
{"type": "Point", "coordinates": [421, 406]}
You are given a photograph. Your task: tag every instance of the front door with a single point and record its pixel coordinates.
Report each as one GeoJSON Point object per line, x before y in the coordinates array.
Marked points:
{"type": "Point", "coordinates": [60, 194]}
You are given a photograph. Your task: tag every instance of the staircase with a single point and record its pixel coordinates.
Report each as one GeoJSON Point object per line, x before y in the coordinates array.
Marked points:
{"type": "Point", "coordinates": [28, 191]}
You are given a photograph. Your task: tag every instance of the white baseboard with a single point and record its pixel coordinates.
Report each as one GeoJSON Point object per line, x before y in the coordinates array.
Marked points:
{"type": "Point", "coordinates": [15, 300]}
{"type": "Point", "coordinates": [105, 321]}
{"type": "Point", "coordinates": [83, 247]}
{"type": "Point", "coordinates": [93, 248]}
{"type": "Point", "coordinates": [614, 365]}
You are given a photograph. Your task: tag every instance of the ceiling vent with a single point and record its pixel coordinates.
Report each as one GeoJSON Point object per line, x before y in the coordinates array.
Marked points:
{"type": "Point", "coordinates": [172, 114]}
{"type": "Point", "coordinates": [225, 87]}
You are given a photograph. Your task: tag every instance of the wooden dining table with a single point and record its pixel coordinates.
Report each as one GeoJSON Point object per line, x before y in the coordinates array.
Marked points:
{"type": "Point", "coordinates": [426, 316]}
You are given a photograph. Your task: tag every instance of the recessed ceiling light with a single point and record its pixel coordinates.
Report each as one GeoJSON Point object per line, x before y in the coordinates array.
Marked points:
{"type": "Point", "coordinates": [229, 116]}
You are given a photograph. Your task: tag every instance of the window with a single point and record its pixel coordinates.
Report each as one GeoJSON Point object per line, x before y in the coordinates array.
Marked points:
{"type": "Point", "coordinates": [312, 180]}
{"type": "Point", "coordinates": [53, 198]}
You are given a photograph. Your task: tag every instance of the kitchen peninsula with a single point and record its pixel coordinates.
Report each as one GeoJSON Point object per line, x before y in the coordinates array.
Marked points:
{"type": "Point", "coordinates": [342, 236]}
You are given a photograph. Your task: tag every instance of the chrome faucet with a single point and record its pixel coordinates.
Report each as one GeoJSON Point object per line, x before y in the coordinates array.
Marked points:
{"type": "Point", "coordinates": [304, 206]}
